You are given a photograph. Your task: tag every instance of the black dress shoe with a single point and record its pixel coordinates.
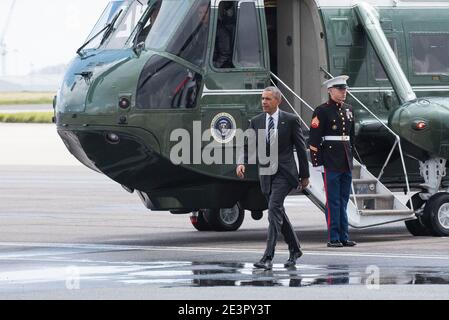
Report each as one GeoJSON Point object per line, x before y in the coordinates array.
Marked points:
{"type": "Point", "coordinates": [291, 262]}
{"type": "Point", "coordinates": [349, 243]}
{"type": "Point", "coordinates": [335, 244]}
{"type": "Point", "coordinates": [264, 263]}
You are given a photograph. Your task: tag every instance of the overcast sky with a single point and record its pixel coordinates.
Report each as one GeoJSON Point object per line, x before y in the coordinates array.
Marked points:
{"type": "Point", "coordinates": [46, 32]}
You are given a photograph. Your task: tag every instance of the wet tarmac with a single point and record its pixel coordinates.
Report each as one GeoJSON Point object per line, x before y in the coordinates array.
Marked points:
{"type": "Point", "coordinates": [40, 268]}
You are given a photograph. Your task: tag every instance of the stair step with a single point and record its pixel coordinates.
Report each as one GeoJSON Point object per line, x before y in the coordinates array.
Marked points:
{"type": "Point", "coordinates": [365, 186]}
{"type": "Point", "coordinates": [377, 195]}
{"type": "Point", "coordinates": [385, 212]}
{"type": "Point", "coordinates": [364, 180]}
{"type": "Point", "coordinates": [356, 172]}
{"type": "Point", "coordinates": [374, 201]}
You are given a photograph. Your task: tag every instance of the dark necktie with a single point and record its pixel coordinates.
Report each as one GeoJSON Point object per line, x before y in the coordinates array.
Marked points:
{"type": "Point", "coordinates": [270, 134]}
{"type": "Point", "coordinates": [270, 129]}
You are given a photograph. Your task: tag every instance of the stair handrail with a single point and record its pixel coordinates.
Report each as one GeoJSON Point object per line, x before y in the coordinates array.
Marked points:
{"type": "Point", "coordinates": [290, 105]}
{"type": "Point", "coordinates": [397, 141]}
{"type": "Point", "coordinates": [293, 92]}
{"type": "Point", "coordinates": [305, 124]}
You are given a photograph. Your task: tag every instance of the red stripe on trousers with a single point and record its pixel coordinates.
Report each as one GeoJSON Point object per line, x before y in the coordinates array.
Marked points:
{"type": "Point", "coordinates": [328, 207]}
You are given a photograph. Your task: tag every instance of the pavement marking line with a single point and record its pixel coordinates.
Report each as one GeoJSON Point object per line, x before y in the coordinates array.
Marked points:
{"type": "Point", "coordinates": [207, 249]}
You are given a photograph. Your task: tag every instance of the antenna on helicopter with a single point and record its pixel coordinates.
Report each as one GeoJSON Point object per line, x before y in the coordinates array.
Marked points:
{"type": "Point", "coordinates": [3, 47]}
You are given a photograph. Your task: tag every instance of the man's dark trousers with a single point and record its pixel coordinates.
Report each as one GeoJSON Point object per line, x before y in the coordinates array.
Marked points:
{"type": "Point", "coordinates": [277, 218]}
{"type": "Point", "coordinates": [338, 188]}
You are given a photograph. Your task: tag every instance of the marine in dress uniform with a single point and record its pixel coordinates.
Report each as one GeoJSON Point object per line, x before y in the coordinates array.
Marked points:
{"type": "Point", "coordinates": [331, 144]}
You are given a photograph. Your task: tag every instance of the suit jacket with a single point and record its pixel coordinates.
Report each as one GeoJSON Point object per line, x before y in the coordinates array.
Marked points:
{"type": "Point", "coordinates": [289, 135]}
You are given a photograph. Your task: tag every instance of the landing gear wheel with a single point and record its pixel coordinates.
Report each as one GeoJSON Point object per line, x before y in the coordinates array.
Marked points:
{"type": "Point", "coordinates": [199, 222]}
{"type": "Point", "coordinates": [417, 227]}
{"type": "Point", "coordinates": [437, 214]}
{"type": "Point", "coordinates": [225, 219]}
{"type": "Point", "coordinates": [257, 215]}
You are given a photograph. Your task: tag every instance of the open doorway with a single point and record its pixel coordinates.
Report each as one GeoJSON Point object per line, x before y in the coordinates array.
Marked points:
{"type": "Point", "coordinates": [271, 17]}
{"type": "Point", "coordinates": [297, 50]}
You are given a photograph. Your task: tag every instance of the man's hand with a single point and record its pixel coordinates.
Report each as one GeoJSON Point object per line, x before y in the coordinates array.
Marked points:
{"type": "Point", "coordinates": [304, 182]}
{"type": "Point", "coordinates": [240, 171]}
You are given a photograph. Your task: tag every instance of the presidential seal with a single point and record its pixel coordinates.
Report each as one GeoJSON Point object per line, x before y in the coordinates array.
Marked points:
{"type": "Point", "coordinates": [223, 127]}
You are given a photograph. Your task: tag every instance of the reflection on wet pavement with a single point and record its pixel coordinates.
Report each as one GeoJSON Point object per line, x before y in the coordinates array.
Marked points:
{"type": "Point", "coordinates": [195, 274]}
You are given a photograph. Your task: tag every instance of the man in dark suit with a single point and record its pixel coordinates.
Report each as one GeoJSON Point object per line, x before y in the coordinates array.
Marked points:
{"type": "Point", "coordinates": [284, 129]}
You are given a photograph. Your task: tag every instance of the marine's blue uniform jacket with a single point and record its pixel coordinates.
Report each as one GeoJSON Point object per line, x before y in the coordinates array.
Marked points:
{"type": "Point", "coordinates": [332, 119]}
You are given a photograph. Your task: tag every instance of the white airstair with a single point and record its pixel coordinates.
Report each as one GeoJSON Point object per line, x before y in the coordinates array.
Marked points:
{"type": "Point", "coordinates": [371, 203]}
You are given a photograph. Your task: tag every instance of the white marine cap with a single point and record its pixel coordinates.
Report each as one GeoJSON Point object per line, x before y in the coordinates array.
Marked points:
{"type": "Point", "coordinates": [337, 82]}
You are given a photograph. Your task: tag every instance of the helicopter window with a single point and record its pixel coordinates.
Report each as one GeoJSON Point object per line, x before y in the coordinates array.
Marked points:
{"type": "Point", "coordinates": [169, 16]}
{"type": "Point", "coordinates": [342, 32]}
{"type": "Point", "coordinates": [150, 20]}
{"type": "Point", "coordinates": [165, 84]}
{"type": "Point", "coordinates": [190, 40]}
{"type": "Point", "coordinates": [127, 25]}
{"type": "Point", "coordinates": [248, 51]}
{"type": "Point", "coordinates": [379, 72]}
{"type": "Point", "coordinates": [112, 12]}
{"type": "Point", "coordinates": [225, 35]}
{"type": "Point", "coordinates": [430, 53]}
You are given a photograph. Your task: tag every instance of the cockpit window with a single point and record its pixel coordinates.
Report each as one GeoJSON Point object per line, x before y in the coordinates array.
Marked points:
{"type": "Point", "coordinates": [179, 27]}
{"type": "Point", "coordinates": [145, 25]}
{"type": "Point", "coordinates": [126, 26]}
{"type": "Point", "coordinates": [225, 35]}
{"type": "Point", "coordinates": [190, 40]}
{"type": "Point", "coordinates": [248, 43]}
{"type": "Point", "coordinates": [165, 84]}
{"type": "Point", "coordinates": [115, 25]}
{"type": "Point", "coordinates": [108, 14]}
{"type": "Point", "coordinates": [237, 40]}
{"type": "Point", "coordinates": [112, 13]}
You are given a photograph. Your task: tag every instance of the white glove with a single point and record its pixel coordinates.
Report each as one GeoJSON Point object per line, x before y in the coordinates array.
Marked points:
{"type": "Point", "coordinates": [319, 169]}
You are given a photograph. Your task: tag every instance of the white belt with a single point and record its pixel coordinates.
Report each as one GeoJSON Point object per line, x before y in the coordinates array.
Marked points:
{"type": "Point", "coordinates": [336, 138]}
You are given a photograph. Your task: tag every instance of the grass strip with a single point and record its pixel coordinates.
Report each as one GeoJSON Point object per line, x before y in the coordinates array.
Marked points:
{"type": "Point", "coordinates": [18, 98]}
{"type": "Point", "coordinates": [27, 117]}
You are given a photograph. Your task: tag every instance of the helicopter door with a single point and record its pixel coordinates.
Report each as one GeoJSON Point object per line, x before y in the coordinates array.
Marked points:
{"type": "Point", "coordinates": [238, 65]}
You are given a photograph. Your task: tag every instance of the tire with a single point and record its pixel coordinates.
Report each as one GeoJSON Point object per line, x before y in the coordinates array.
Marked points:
{"type": "Point", "coordinates": [437, 214]}
{"type": "Point", "coordinates": [225, 219]}
{"type": "Point", "coordinates": [200, 223]}
{"type": "Point", "coordinates": [257, 215]}
{"type": "Point", "coordinates": [417, 227]}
